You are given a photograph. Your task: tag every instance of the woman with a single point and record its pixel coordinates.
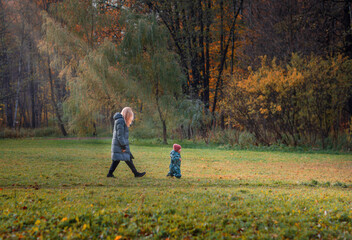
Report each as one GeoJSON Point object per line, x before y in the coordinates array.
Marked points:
{"type": "Point", "coordinates": [120, 148]}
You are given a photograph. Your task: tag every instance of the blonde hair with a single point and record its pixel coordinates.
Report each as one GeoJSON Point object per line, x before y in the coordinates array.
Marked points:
{"type": "Point", "coordinates": [128, 115]}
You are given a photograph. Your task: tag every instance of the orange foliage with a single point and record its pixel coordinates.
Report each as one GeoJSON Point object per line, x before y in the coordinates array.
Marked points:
{"type": "Point", "coordinates": [44, 4]}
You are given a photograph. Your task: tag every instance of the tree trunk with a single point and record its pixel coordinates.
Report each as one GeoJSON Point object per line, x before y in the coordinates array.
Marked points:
{"type": "Point", "coordinates": [33, 115]}
{"type": "Point", "coordinates": [347, 22]}
{"type": "Point", "coordinates": [18, 83]}
{"type": "Point", "coordinates": [53, 101]}
{"type": "Point", "coordinates": [164, 132]}
{"type": "Point", "coordinates": [162, 119]}
{"type": "Point", "coordinates": [194, 54]}
{"type": "Point", "coordinates": [189, 132]}
{"type": "Point", "coordinates": [205, 90]}
{"type": "Point", "coordinates": [322, 139]}
{"type": "Point", "coordinates": [94, 129]}
{"type": "Point", "coordinates": [31, 87]}
{"type": "Point", "coordinates": [223, 58]}
{"type": "Point", "coordinates": [46, 118]}
{"type": "Point", "coordinates": [222, 121]}
{"type": "Point", "coordinates": [222, 26]}
{"type": "Point", "coordinates": [233, 38]}
{"type": "Point", "coordinates": [207, 56]}
{"type": "Point", "coordinates": [6, 85]}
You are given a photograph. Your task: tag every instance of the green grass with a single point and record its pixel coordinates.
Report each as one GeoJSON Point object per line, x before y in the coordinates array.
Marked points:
{"type": "Point", "coordinates": [55, 189]}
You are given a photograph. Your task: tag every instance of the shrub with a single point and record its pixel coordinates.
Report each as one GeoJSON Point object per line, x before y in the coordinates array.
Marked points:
{"type": "Point", "coordinates": [226, 136]}
{"type": "Point", "coordinates": [246, 139]}
{"type": "Point", "coordinates": [145, 129]}
{"type": "Point", "coordinates": [28, 132]}
{"type": "Point", "coordinates": [302, 100]}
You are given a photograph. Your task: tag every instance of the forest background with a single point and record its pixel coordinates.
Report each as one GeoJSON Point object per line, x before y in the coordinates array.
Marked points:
{"type": "Point", "coordinates": [233, 72]}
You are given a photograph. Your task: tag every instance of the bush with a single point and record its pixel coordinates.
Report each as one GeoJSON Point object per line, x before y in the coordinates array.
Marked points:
{"type": "Point", "coordinates": [287, 103]}
{"type": "Point", "coordinates": [246, 139]}
{"type": "Point", "coordinates": [8, 133]}
{"type": "Point", "coordinates": [145, 129]}
{"type": "Point", "coordinates": [225, 137]}
{"type": "Point", "coordinates": [26, 132]}
{"type": "Point", "coordinates": [46, 132]}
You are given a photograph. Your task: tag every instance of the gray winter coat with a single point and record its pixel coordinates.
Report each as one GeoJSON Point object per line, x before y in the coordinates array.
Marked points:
{"type": "Point", "coordinates": [120, 140]}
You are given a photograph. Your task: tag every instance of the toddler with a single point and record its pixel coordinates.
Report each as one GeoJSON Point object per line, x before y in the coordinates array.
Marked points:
{"type": "Point", "coordinates": [175, 165]}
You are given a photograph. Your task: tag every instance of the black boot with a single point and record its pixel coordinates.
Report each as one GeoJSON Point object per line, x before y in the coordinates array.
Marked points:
{"type": "Point", "coordinates": [134, 170]}
{"type": "Point", "coordinates": [112, 168]}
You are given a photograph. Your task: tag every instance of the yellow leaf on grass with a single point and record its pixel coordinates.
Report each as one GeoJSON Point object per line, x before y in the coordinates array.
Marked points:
{"type": "Point", "coordinates": [37, 222]}
{"type": "Point", "coordinates": [84, 227]}
{"type": "Point", "coordinates": [118, 237]}
{"type": "Point", "coordinates": [64, 219]}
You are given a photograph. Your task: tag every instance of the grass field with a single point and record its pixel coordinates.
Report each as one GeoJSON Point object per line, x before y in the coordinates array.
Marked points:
{"type": "Point", "coordinates": [57, 189]}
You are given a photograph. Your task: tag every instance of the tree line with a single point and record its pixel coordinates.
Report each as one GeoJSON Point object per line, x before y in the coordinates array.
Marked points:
{"type": "Point", "coordinates": [187, 67]}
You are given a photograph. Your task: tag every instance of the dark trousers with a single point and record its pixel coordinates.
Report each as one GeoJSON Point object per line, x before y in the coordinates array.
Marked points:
{"type": "Point", "coordinates": [130, 164]}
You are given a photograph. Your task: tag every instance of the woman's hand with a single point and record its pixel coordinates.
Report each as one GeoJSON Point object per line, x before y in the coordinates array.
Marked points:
{"type": "Point", "coordinates": [123, 149]}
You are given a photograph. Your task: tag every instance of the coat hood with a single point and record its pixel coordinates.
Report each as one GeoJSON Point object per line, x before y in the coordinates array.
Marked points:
{"type": "Point", "coordinates": [117, 116]}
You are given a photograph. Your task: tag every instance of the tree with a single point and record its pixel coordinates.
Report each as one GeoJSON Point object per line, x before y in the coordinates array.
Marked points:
{"type": "Point", "coordinates": [152, 66]}
{"type": "Point", "coordinates": [69, 38]}
{"type": "Point", "coordinates": [5, 65]}
{"type": "Point", "coordinates": [22, 88]}
{"type": "Point", "coordinates": [86, 61]}
{"type": "Point", "coordinates": [279, 28]}
{"type": "Point", "coordinates": [202, 33]}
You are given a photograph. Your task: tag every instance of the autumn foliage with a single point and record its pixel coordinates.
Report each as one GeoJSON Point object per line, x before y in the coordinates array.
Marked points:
{"type": "Point", "coordinates": [293, 104]}
{"type": "Point", "coordinates": [237, 64]}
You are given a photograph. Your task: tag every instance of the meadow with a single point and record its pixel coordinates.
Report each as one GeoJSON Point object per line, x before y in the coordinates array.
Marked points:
{"type": "Point", "coordinates": [58, 189]}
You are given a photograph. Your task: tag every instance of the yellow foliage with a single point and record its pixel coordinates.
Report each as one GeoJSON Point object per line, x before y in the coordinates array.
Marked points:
{"type": "Point", "coordinates": [308, 94]}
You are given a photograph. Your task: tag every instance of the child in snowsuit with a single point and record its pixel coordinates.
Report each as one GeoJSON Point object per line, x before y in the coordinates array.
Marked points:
{"type": "Point", "coordinates": [175, 165]}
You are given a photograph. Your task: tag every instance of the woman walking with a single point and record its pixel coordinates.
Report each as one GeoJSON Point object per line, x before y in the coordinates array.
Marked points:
{"type": "Point", "coordinates": [120, 148]}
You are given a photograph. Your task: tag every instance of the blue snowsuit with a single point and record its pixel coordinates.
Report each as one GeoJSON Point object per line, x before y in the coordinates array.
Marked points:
{"type": "Point", "coordinates": [175, 165]}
